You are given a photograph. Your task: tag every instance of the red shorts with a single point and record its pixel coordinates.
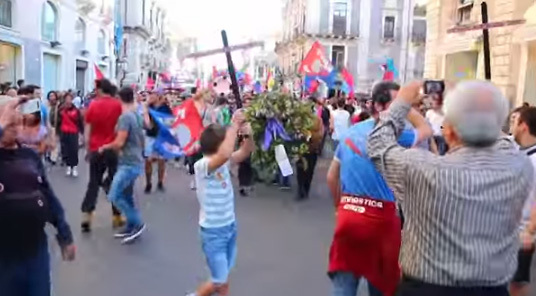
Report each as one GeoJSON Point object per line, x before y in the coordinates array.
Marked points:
{"type": "Point", "coordinates": [367, 241]}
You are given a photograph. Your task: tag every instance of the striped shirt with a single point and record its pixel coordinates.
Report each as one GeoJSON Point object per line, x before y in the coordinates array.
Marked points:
{"type": "Point", "coordinates": [215, 195]}
{"type": "Point", "coordinates": [462, 210]}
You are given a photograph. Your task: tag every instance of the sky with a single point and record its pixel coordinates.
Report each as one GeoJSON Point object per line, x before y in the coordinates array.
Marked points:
{"type": "Point", "coordinates": [242, 19]}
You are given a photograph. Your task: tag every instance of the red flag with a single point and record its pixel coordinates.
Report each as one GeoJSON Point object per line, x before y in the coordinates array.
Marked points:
{"type": "Point", "coordinates": [214, 72]}
{"type": "Point", "coordinates": [150, 83]}
{"type": "Point", "coordinates": [314, 86]}
{"type": "Point", "coordinates": [388, 75]}
{"type": "Point", "coordinates": [315, 62]}
{"type": "Point", "coordinates": [189, 125]}
{"type": "Point", "coordinates": [268, 76]}
{"type": "Point", "coordinates": [347, 76]}
{"type": "Point", "coordinates": [166, 78]}
{"type": "Point", "coordinates": [98, 73]}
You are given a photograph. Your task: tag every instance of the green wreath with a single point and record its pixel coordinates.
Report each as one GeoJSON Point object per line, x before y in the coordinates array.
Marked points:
{"type": "Point", "coordinates": [295, 116]}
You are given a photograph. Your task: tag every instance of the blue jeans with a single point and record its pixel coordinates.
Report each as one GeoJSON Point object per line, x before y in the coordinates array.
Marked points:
{"type": "Point", "coordinates": [122, 193]}
{"type": "Point", "coordinates": [29, 277]}
{"type": "Point", "coordinates": [219, 247]}
{"type": "Point", "coordinates": [346, 284]}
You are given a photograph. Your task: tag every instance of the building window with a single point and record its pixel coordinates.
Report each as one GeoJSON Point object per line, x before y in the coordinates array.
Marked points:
{"type": "Point", "coordinates": [49, 24]}
{"type": "Point", "coordinates": [389, 27]}
{"type": "Point", "coordinates": [80, 34]}
{"type": "Point", "coordinates": [337, 56]}
{"type": "Point", "coordinates": [101, 43]}
{"type": "Point", "coordinates": [419, 31]}
{"type": "Point", "coordinates": [143, 8]}
{"type": "Point", "coordinates": [340, 10]}
{"type": "Point", "coordinates": [5, 13]}
{"type": "Point", "coordinates": [151, 19]}
{"type": "Point", "coordinates": [464, 11]}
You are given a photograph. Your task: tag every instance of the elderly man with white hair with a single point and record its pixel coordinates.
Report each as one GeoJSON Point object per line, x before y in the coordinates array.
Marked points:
{"type": "Point", "coordinates": [462, 209]}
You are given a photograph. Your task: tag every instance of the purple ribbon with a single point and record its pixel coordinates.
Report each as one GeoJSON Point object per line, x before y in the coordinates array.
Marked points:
{"type": "Point", "coordinates": [274, 129]}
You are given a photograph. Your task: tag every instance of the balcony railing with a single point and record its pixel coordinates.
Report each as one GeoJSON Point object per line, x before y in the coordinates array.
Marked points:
{"type": "Point", "coordinates": [419, 31]}
{"type": "Point", "coordinates": [418, 38]}
{"type": "Point", "coordinates": [339, 25]}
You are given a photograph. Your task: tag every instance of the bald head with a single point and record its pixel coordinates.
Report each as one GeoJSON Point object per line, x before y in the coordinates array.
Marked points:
{"type": "Point", "coordinates": [476, 110]}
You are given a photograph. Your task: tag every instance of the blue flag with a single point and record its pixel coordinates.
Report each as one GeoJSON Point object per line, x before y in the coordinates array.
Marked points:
{"type": "Point", "coordinates": [165, 144]}
{"type": "Point", "coordinates": [118, 28]}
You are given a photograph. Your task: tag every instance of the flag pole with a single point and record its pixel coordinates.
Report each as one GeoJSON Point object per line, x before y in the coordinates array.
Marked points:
{"type": "Point", "coordinates": [231, 68]}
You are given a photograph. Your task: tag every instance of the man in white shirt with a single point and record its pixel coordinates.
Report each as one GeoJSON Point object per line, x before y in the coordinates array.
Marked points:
{"type": "Point", "coordinates": [341, 121]}
{"type": "Point", "coordinates": [435, 117]}
{"type": "Point", "coordinates": [523, 129]}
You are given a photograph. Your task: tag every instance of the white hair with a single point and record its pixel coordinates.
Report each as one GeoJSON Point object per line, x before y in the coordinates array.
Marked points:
{"type": "Point", "coordinates": [477, 110]}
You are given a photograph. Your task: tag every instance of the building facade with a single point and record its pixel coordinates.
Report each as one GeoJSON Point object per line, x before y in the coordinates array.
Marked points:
{"type": "Point", "coordinates": [56, 43]}
{"type": "Point", "coordinates": [357, 34]}
{"type": "Point", "coordinates": [459, 55]}
{"type": "Point", "coordinates": [146, 45]}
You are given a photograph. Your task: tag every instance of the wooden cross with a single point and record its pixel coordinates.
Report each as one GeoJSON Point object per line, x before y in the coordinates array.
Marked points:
{"type": "Point", "coordinates": [485, 26]}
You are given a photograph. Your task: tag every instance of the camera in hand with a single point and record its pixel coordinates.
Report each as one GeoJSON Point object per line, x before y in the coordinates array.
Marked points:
{"type": "Point", "coordinates": [434, 87]}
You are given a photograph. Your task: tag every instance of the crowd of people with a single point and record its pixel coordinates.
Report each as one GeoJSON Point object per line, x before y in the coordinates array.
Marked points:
{"type": "Point", "coordinates": [431, 196]}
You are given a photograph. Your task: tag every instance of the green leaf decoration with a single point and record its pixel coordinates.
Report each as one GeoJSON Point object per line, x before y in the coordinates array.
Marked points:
{"type": "Point", "coordinates": [296, 117]}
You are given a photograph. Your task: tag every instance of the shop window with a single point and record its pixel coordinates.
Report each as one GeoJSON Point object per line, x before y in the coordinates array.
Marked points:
{"type": "Point", "coordinates": [8, 63]}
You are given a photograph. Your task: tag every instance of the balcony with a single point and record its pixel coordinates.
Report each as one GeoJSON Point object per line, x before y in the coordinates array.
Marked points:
{"type": "Point", "coordinates": [418, 35]}
{"type": "Point", "coordinates": [339, 25]}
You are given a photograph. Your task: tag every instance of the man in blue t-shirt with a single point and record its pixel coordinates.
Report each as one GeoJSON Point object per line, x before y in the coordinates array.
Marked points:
{"type": "Point", "coordinates": [367, 238]}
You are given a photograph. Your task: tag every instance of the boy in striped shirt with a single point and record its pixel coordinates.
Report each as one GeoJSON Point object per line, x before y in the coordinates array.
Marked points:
{"type": "Point", "coordinates": [216, 200]}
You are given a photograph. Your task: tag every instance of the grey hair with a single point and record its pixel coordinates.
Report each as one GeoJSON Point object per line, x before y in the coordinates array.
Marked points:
{"type": "Point", "coordinates": [477, 110]}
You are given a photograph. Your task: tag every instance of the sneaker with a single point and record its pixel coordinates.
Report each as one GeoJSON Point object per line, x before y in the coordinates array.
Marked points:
{"type": "Point", "coordinates": [75, 172]}
{"type": "Point", "coordinates": [285, 188]}
{"type": "Point", "coordinates": [118, 221]}
{"type": "Point", "coordinates": [160, 186]}
{"type": "Point", "coordinates": [134, 234]}
{"type": "Point", "coordinates": [244, 191]}
{"type": "Point", "coordinates": [126, 231]}
{"type": "Point", "coordinates": [192, 185]}
{"type": "Point", "coordinates": [148, 188]}
{"type": "Point", "coordinates": [86, 222]}
{"type": "Point", "coordinates": [69, 171]}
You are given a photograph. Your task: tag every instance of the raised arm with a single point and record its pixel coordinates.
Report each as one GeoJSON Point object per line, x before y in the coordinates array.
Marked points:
{"type": "Point", "coordinates": [391, 159]}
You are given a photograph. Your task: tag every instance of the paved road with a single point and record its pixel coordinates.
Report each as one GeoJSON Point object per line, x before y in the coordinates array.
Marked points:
{"type": "Point", "coordinates": [283, 246]}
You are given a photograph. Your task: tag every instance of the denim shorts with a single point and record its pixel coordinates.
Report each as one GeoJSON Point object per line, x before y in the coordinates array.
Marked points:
{"type": "Point", "coordinates": [346, 284]}
{"type": "Point", "coordinates": [219, 247]}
